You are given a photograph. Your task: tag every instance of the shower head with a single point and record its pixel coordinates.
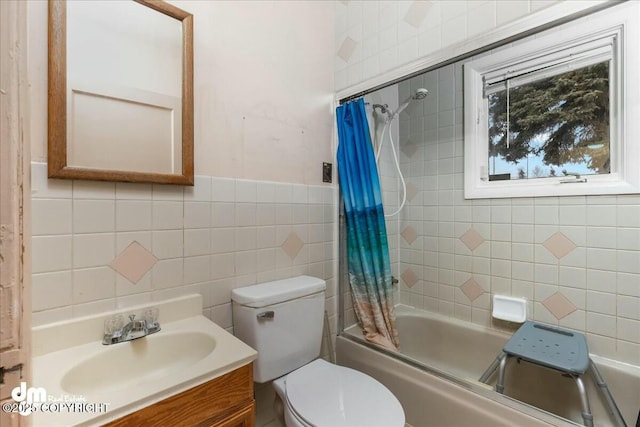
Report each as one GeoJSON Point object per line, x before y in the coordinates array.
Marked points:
{"type": "Point", "coordinates": [420, 93]}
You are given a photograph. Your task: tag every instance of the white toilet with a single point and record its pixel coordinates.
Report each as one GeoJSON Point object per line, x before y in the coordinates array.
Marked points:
{"type": "Point", "coordinates": [283, 321]}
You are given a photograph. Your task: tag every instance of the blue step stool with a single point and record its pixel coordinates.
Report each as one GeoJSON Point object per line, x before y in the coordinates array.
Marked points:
{"type": "Point", "coordinates": [558, 349]}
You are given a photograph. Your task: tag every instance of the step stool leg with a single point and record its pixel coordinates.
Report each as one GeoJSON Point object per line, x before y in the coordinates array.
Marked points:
{"type": "Point", "coordinates": [492, 368]}
{"type": "Point", "coordinates": [584, 400]}
{"type": "Point", "coordinates": [501, 369]}
{"type": "Point", "coordinates": [602, 386]}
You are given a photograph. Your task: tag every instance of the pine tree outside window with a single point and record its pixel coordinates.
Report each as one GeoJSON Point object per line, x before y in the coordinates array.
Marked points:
{"type": "Point", "coordinates": [553, 114]}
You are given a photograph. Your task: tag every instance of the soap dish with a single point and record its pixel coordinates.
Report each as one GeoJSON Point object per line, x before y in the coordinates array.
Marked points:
{"type": "Point", "coordinates": [511, 309]}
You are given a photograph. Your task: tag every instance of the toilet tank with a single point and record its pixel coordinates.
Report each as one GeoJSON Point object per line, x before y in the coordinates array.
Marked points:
{"type": "Point", "coordinates": [283, 321]}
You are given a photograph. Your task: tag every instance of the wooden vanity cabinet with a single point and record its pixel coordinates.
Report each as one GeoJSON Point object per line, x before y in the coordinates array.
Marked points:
{"type": "Point", "coordinates": [226, 401]}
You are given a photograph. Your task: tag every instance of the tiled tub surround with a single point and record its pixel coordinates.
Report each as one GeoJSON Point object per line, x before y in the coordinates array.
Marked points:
{"type": "Point", "coordinates": [374, 37]}
{"type": "Point", "coordinates": [597, 284]}
{"type": "Point", "coordinates": [575, 259]}
{"type": "Point", "coordinates": [100, 246]}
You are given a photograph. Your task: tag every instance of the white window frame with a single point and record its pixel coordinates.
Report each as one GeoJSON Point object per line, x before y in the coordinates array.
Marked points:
{"type": "Point", "coordinates": [611, 33]}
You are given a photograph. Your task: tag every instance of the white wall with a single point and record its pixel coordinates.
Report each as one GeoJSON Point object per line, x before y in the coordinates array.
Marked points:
{"type": "Point", "coordinates": [263, 85]}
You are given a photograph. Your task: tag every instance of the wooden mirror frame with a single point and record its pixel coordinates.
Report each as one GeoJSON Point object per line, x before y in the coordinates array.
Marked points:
{"type": "Point", "coordinates": [57, 104]}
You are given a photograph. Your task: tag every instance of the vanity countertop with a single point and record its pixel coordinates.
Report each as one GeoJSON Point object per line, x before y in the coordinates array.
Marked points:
{"type": "Point", "coordinates": [69, 357]}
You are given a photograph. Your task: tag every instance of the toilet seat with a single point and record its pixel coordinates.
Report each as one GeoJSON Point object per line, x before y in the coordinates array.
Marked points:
{"type": "Point", "coordinates": [323, 394]}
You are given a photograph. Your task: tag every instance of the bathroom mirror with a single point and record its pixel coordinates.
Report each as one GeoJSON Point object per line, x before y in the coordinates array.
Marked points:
{"type": "Point", "coordinates": [120, 91]}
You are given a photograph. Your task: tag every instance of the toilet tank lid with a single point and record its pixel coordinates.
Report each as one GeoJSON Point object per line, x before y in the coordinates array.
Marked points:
{"type": "Point", "coordinates": [278, 291]}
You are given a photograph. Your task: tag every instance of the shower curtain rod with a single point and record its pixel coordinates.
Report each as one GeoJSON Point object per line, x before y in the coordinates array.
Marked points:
{"type": "Point", "coordinates": [363, 93]}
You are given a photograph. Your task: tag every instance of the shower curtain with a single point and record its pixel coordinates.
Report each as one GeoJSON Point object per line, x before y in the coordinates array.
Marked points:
{"type": "Point", "coordinates": [367, 246]}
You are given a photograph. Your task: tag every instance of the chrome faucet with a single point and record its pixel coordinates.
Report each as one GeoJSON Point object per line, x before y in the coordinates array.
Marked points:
{"type": "Point", "coordinates": [115, 331]}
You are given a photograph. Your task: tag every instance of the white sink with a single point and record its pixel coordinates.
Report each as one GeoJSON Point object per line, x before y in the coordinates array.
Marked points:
{"type": "Point", "coordinates": [72, 365]}
{"type": "Point", "coordinates": [121, 365]}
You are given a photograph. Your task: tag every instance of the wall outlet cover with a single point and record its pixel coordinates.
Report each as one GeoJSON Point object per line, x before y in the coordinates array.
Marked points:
{"type": "Point", "coordinates": [327, 174]}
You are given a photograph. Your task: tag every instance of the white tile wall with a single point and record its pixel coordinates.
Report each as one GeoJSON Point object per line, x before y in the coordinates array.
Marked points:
{"type": "Point", "coordinates": [51, 216]}
{"type": "Point", "coordinates": [220, 234]}
{"type": "Point", "coordinates": [600, 277]}
{"type": "Point", "coordinates": [384, 34]}
{"type": "Point", "coordinates": [93, 216]}
{"type": "Point", "coordinates": [51, 253]}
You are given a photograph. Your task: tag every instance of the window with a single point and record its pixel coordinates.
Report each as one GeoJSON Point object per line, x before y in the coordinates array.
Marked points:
{"type": "Point", "coordinates": [557, 113]}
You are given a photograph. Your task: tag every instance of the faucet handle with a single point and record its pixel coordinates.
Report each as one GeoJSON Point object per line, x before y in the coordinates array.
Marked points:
{"type": "Point", "coordinates": [113, 324]}
{"type": "Point", "coordinates": [112, 329]}
{"type": "Point", "coordinates": [132, 317]}
{"type": "Point", "coordinates": [150, 316]}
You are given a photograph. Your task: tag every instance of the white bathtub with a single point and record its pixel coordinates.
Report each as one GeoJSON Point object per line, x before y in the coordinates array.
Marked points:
{"type": "Point", "coordinates": [435, 377]}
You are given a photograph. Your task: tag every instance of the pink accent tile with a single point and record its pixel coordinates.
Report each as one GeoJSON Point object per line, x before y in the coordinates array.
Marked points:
{"type": "Point", "coordinates": [416, 13]}
{"type": "Point", "coordinates": [471, 289]}
{"type": "Point", "coordinates": [472, 239]}
{"type": "Point", "coordinates": [134, 262]}
{"type": "Point", "coordinates": [347, 48]}
{"type": "Point", "coordinates": [559, 305]}
{"type": "Point", "coordinates": [559, 245]}
{"type": "Point", "coordinates": [292, 245]}
{"type": "Point", "coordinates": [412, 191]}
{"type": "Point", "coordinates": [409, 234]}
{"type": "Point", "coordinates": [409, 148]}
{"type": "Point", "coordinates": [409, 277]}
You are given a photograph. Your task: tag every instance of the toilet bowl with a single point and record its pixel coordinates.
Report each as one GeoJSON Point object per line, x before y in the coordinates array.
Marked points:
{"type": "Point", "coordinates": [283, 321]}
{"type": "Point", "coordinates": [322, 394]}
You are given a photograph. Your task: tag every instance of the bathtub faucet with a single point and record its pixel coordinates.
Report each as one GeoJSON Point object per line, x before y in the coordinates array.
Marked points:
{"type": "Point", "coordinates": [115, 331]}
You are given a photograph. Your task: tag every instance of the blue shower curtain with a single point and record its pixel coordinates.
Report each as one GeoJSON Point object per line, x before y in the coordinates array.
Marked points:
{"type": "Point", "coordinates": [367, 245]}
